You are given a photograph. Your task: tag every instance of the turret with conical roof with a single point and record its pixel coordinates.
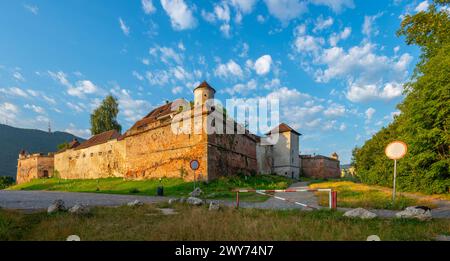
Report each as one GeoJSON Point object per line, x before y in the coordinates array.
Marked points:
{"type": "Point", "coordinates": [202, 93]}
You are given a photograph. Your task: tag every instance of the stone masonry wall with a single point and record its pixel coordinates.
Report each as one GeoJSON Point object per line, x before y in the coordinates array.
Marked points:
{"type": "Point", "coordinates": [34, 166]}
{"type": "Point", "coordinates": [99, 161]}
{"type": "Point", "coordinates": [320, 167]}
{"type": "Point", "coordinates": [159, 153]}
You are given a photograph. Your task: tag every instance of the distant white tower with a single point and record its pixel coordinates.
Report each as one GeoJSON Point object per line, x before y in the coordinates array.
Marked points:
{"type": "Point", "coordinates": [202, 93]}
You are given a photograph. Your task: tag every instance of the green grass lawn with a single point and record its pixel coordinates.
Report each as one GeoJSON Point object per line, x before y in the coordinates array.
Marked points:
{"type": "Point", "coordinates": [217, 189]}
{"type": "Point", "coordinates": [352, 194]}
{"type": "Point", "coordinates": [197, 223]}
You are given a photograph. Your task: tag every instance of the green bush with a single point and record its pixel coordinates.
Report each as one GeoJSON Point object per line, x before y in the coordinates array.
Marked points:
{"type": "Point", "coordinates": [6, 182]}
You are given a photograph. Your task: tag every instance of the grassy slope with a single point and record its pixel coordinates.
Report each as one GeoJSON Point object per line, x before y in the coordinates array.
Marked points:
{"type": "Point", "coordinates": [197, 223]}
{"type": "Point", "coordinates": [351, 194]}
{"type": "Point", "coordinates": [217, 189]}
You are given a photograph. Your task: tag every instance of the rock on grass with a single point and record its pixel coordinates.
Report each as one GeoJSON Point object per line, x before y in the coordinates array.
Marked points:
{"type": "Point", "coordinates": [360, 213]}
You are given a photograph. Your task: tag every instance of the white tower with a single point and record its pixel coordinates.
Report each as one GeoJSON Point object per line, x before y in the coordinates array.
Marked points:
{"type": "Point", "coordinates": [202, 93]}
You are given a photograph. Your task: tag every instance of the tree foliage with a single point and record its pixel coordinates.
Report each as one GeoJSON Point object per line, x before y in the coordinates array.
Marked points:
{"type": "Point", "coordinates": [424, 121]}
{"type": "Point", "coordinates": [104, 118]}
{"type": "Point", "coordinates": [6, 182]}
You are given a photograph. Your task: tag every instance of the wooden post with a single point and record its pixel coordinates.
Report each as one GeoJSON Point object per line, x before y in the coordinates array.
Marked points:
{"type": "Point", "coordinates": [237, 199]}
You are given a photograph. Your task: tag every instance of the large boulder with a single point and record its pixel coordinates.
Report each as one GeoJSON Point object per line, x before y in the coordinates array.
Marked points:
{"type": "Point", "coordinates": [196, 193]}
{"type": "Point", "coordinates": [417, 212]}
{"type": "Point", "coordinates": [135, 203]}
{"type": "Point", "coordinates": [213, 206]}
{"type": "Point", "coordinates": [173, 200]}
{"type": "Point", "coordinates": [57, 206]}
{"type": "Point", "coordinates": [194, 201]}
{"type": "Point", "coordinates": [79, 209]}
{"type": "Point", "coordinates": [360, 213]}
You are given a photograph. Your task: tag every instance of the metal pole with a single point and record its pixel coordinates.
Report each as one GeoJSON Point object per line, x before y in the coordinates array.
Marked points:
{"type": "Point", "coordinates": [194, 180]}
{"type": "Point", "coordinates": [395, 176]}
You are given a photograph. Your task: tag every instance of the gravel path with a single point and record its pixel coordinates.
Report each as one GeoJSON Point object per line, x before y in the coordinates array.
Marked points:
{"type": "Point", "coordinates": [34, 200]}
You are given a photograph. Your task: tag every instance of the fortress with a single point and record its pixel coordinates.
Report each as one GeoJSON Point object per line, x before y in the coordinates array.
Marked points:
{"type": "Point", "coordinates": [152, 149]}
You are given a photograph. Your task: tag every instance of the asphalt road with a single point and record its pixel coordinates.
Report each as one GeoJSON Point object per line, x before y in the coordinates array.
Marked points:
{"type": "Point", "coordinates": [34, 200]}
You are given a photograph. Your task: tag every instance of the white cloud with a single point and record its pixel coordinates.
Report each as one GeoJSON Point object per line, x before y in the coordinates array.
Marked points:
{"type": "Point", "coordinates": [181, 46]}
{"type": "Point", "coordinates": [180, 73]}
{"type": "Point", "coordinates": [361, 93]}
{"type": "Point", "coordinates": [83, 133]}
{"type": "Point", "coordinates": [75, 107]}
{"type": "Point", "coordinates": [49, 100]}
{"type": "Point", "coordinates": [60, 77]}
{"type": "Point", "coordinates": [32, 8]}
{"type": "Point", "coordinates": [35, 108]}
{"type": "Point", "coordinates": [230, 69]}
{"type": "Point", "coordinates": [157, 77]}
{"type": "Point", "coordinates": [368, 27]}
{"type": "Point", "coordinates": [369, 113]}
{"type": "Point", "coordinates": [361, 63]}
{"type": "Point", "coordinates": [308, 43]}
{"type": "Point", "coordinates": [180, 14]}
{"type": "Point", "coordinates": [137, 76]}
{"type": "Point", "coordinates": [286, 10]}
{"type": "Point", "coordinates": [242, 88]}
{"type": "Point", "coordinates": [14, 91]}
{"type": "Point", "coordinates": [335, 110]}
{"type": "Point", "coordinates": [244, 6]}
{"type": "Point", "coordinates": [261, 19]}
{"type": "Point", "coordinates": [336, 5]}
{"type": "Point", "coordinates": [7, 107]}
{"type": "Point", "coordinates": [177, 89]}
{"type": "Point", "coordinates": [263, 64]}
{"type": "Point", "coordinates": [18, 76]}
{"type": "Point", "coordinates": [423, 6]}
{"type": "Point", "coordinates": [132, 109]}
{"type": "Point", "coordinates": [336, 37]}
{"type": "Point", "coordinates": [225, 29]}
{"type": "Point", "coordinates": [222, 12]}
{"type": "Point", "coordinates": [82, 88]}
{"type": "Point", "coordinates": [148, 7]}
{"type": "Point", "coordinates": [166, 54]}
{"type": "Point", "coordinates": [322, 23]}
{"type": "Point", "coordinates": [125, 29]}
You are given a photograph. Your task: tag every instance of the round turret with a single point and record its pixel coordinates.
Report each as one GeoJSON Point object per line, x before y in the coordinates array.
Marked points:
{"type": "Point", "coordinates": [202, 93]}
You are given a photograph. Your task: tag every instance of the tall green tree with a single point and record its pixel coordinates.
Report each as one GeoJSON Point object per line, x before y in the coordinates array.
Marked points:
{"type": "Point", "coordinates": [424, 121]}
{"type": "Point", "coordinates": [104, 118]}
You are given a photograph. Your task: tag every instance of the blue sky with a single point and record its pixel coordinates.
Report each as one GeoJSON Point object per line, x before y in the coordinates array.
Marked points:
{"type": "Point", "coordinates": [336, 66]}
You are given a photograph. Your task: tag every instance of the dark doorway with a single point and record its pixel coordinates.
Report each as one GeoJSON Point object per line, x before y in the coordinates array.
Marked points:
{"type": "Point", "coordinates": [45, 175]}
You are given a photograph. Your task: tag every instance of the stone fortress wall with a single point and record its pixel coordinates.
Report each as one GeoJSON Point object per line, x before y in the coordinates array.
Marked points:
{"type": "Point", "coordinates": [34, 166]}
{"type": "Point", "coordinates": [151, 148]}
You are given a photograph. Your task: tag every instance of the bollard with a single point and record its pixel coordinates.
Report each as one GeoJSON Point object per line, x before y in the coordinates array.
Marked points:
{"type": "Point", "coordinates": [160, 191]}
{"type": "Point", "coordinates": [333, 199]}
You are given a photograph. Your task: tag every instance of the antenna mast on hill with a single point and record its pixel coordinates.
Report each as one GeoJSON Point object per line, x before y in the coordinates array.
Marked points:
{"type": "Point", "coordinates": [49, 127]}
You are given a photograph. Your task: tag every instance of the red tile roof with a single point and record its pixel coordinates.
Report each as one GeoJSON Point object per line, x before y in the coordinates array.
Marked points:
{"type": "Point", "coordinates": [99, 139]}
{"type": "Point", "coordinates": [74, 143]}
{"type": "Point", "coordinates": [283, 127]}
{"type": "Point", "coordinates": [204, 84]}
{"type": "Point", "coordinates": [153, 116]}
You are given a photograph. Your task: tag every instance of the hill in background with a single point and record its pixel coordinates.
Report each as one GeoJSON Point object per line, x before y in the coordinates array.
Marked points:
{"type": "Point", "coordinates": [13, 140]}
